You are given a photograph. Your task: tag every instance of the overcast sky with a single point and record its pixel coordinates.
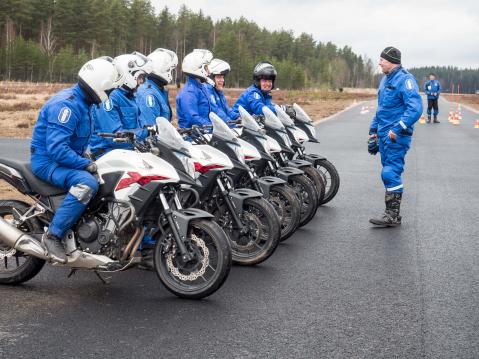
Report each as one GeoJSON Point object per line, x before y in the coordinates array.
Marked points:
{"type": "Point", "coordinates": [429, 32]}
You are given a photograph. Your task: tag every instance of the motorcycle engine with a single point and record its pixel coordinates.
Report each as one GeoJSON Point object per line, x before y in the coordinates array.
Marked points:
{"type": "Point", "coordinates": [97, 234]}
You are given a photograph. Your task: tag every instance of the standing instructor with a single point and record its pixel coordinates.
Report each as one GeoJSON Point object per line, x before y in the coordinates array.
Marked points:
{"type": "Point", "coordinates": [390, 133]}
{"type": "Point", "coordinates": [432, 89]}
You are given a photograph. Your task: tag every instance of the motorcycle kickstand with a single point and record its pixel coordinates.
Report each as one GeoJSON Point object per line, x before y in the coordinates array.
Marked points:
{"type": "Point", "coordinates": [103, 280]}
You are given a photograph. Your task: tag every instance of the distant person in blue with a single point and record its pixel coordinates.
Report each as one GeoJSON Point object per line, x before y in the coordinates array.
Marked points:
{"type": "Point", "coordinates": [432, 89]}
{"type": "Point", "coordinates": [152, 96]}
{"type": "Point", "coordinates": [193, 103]}
{"type": "Point", "coordinates": [59, 140]}
{"type": "Point", "coordinates": [259, 94]}
{"type": "Point", "coordinates": [120, 112]}
{"type": "Point", "coordinates": [390, 132]}
{"type": "Point", "coordinates": [218, 71]}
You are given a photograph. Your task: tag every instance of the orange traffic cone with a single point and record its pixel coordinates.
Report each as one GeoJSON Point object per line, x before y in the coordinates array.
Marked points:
{"type": "Point", "coordinates": [422, 120]}
{"type": "Point", "coordinates": [477, 124]}
{"type": "Point", "coordinates": [450, 118]}
{"type": "Point", "coordinates": [364, 110]}
{"type": "Point", "coordinates": [457, 119]}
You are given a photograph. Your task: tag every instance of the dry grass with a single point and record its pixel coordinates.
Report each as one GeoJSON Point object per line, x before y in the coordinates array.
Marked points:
{"type": "Point", "coordinates": [19, 106]}
{"type": "Point", "coordinates": [20, 103]}
{"type": "Point", "coordinates": [470, 100]}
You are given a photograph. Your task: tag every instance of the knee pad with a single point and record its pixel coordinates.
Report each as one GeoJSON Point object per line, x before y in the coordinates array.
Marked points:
{"type": "Point", "coordinates": [82, 193]}
{"type": "Point", "coordinates": [85, 189]}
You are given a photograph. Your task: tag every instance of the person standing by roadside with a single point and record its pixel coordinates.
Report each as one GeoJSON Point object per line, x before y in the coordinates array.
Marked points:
{"type": "Point", "coordinates": [391, 129]}
{"type": "Point", "coordinates": [432, 89]}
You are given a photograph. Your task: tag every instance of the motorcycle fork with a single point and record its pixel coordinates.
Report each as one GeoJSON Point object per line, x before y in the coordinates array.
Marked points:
{"type": "Point", "coordinates": [254, 180]}
{"type": "Point", "coordinates": [300, 152]}
{"type": "Point", "coordinates": [171, 221]}
{"type": "Point", "coordinates": [225, 193]}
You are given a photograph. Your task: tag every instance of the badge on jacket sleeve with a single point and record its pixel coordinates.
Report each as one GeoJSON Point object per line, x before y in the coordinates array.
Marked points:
{"type": "Point", "coordinates": [107, 105]}
{"type": "Point", "coordinates": [213, 100]}
{"type": "Point", "coordinates": [64, 115]}
{"type": "Point", "coordinates": [409, 84]}
{"type": "Point", "coordinates": [256, 96]}
{"type": "Point", "coordinates": [150, 101]}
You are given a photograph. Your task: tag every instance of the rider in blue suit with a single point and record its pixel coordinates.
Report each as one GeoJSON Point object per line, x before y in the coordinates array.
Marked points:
{"type": "Point", "coordinates": [59, 140]}
{"type": "Point", "coordinates": [120, 112]}
{"type": "Point", "coordinates": [259, 94]}
{"type": "Point", "coordinates": [152, 96]}
{"type": "Point", "coordinates": [218, 71]}
{"type": "Point", "coordinates": [193, 103]}
{"type": "Point", "coordinates": [399, 107]}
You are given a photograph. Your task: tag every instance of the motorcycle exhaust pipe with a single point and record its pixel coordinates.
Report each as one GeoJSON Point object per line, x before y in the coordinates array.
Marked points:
{"type": "Point", "coordinates": [22, 242]}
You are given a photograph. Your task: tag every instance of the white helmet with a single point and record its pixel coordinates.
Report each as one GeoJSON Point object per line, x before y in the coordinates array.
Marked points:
{"type": "Point", "coordinates": [163, 61]}
{"type": "Point", "coordinates": [131, 66]}
{"type": "Point", "coordinates": [99, 75]}
{"type": "Point", "coordinates": [196, 63]}
{"type": "Point", "coordinates": [219, 67]}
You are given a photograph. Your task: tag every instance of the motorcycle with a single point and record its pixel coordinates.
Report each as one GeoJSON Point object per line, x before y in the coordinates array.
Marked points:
{"type": "Point", "coordinates": [304, 187]}
{"type": "Point", "coordinates": [249, 221]}
{"type": "Point", "coordinates": [192, 256]}
{"type": "Point", "coordinates": [275, 190]}
{"type": "Point", "coordinates": [325, 167]}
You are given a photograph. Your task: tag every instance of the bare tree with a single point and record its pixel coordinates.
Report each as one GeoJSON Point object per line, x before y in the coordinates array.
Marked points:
{"type": "Point", "coordinates": [48, 44]}
{"type": "Point", "coordinates": [9, 37]}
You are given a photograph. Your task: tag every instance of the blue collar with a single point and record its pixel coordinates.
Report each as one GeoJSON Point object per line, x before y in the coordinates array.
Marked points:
{"type": "Point", "coordinates": [193, 81]}
{"type": "Point", "coordinates": [78, 91]}
{"type": "Point", "coordinates": [395, 71]}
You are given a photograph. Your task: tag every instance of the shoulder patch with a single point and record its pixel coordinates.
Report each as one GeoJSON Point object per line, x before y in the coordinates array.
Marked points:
{"type": "Point", "coordinates": [64, 115]}
{"type": "Point", "coordinates": [256, 96]}
{"type": "Point", "coordinates": [212, 98]}
{"type": "Point", "coordinates": [409, 84]}
{"type": "Point", "coordinates": [150, 101]}
{"type": "Point", "coordinates": [107, 105]}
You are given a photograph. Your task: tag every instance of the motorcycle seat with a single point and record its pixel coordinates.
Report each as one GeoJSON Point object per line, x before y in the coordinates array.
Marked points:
{"type": "Point", "coordinates": [37, 185]}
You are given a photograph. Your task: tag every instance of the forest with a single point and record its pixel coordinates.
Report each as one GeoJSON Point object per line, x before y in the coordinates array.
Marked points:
{"type": "Point", "coordinates": [48, 41]}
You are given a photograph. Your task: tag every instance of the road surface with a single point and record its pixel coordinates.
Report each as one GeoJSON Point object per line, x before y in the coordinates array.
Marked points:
{"type": "Point", "coordinates": [337, 289]}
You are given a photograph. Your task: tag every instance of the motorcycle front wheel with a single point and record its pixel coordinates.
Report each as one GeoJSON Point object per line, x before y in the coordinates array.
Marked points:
{"type": "Point", "coordinates": [207, 268]}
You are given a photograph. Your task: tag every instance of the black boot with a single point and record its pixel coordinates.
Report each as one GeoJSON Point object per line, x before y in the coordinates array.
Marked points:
{"type": "Point", "coordinates": [54, 247]}
{"type": "Point", "coordinates": [391, 217]}
{"type": "Point", "coordinates": [428, 118]}
{"type": "Point", "coordinates": [435, 119]}
{"type": "Point", "coordinates": [147, 259]}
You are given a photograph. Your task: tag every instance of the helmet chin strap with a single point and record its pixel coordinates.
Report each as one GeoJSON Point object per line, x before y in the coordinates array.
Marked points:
{"type": "Point", "coordinates": [90, 96]}
{"type": "Point", "coordinates": [157, 80]}
{"type": "Point", "coordinates": [131, 92]}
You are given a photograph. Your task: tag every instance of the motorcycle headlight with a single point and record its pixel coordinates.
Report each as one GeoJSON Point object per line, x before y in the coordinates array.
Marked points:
{"type": "Point", "coordinates": [188, 165]}
{"type": "Point", "coordinates": [264, 142]}
{"type": "Point", "coordinates": [311, 130]}
{"type": "Point", "coordinates": [286, 139]}
{"type": "Point", "coordinates": [297, 137]}
{"type": "Point", "coordinates": [239, 153]}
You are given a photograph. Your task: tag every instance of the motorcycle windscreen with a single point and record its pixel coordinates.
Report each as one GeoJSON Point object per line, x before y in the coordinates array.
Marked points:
{"type": "Point", "coordinates": [221, 129]}
{"type": "Point", "coordinates": [301, 115]}
{"type": "Point", "coordinates": [167, 134]}
{"type": "Point", "coordinates": [248, 121]}
{"type": "Point", "coordinates": [271, 120]}
{"type": "Point", "coordinates": [283, 116]}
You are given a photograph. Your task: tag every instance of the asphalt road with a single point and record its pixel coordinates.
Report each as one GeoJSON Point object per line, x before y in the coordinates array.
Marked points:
{"type": "Point", "coordinates": [337, 289]}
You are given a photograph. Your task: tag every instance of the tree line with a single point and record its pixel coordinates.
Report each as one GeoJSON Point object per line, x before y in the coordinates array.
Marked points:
{"type": "Point", "coordinates": [48, 40]}
{"type": "Point", "coordinates": [452, 79]}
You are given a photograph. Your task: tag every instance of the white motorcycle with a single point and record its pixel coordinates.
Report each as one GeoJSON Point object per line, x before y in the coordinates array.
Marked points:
{"type": "Point", "coordinates": [192, 256]}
